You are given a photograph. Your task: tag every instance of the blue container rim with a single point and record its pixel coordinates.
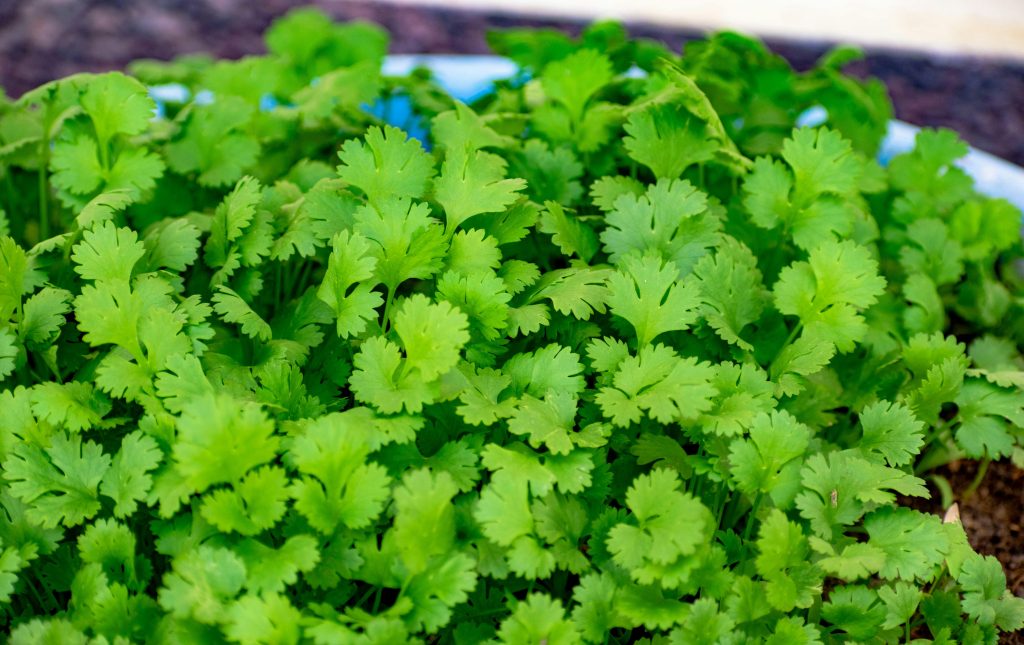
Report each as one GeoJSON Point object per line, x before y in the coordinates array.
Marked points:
{"type": "Point", "coordinates": [468, 77]}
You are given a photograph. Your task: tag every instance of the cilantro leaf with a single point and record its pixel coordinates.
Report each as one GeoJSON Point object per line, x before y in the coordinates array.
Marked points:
{"type": "Point", "coordinates": [220, 439]}
{"type": "Point", "coordinates": [657, 381]}
{"type": "Point", "coordinates": [732, 290]}
{"type": "Point", "coordinates": [59, 482]}
{"type": "Point", "coordinates": [767, 461]}
{"type": "Point", "coordinates": [213, 144]}
{"type": "Point", "coordinates": [646, 292]}
{"type": "Point", "coordinates": [986, 598]}
{"type": "Point", "coordinates": [574, 80]}
{"type": "Point", "coordinates": [345, 288]}
{"type": "Point", "coordinates": [667, 140]}
{"type": "Point", "coordinates": [107, 253]}
{"type": "Point", "coordinates": [472, 183]}
{"type": "Point", "coordinates": [338, 485]}
{"type": "Point", "coordinates": [890, 433]}
{"type": "Point", "coordinates": [540, 618]}
{"type": "Point", "coordinates": [670, 219]}
{"type": "Point", "coordinates": [782, 561]}
{"type": "Point", "coordinates": [828, 291]}
{"type": "Point", "coordinates": [386, 164]}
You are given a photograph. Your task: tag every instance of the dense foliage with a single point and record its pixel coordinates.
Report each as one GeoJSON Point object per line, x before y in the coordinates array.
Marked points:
{"type": "Point", "coordinates": [609, 356]}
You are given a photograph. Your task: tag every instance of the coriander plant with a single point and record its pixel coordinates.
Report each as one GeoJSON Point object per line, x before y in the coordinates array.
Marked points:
{"type": "Point", "coordinates": [605, 357]}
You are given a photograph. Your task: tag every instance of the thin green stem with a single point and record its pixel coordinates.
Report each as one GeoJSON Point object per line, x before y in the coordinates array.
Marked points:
{"type": "Point", "coordinates": [307, 268]}
{"type": "Point", "coordinates": [814, 613]}
{"type": "Point", "coordinates": [720, 503]}
{"type": "Point", "coordinates": [751, 516]}
{"type": "Point", "coordinates": [44, 205]}
{"type": "Point", "coordinates": [935, 433]}
{"type": "Point", "coordinates": [386, 319]}
{"type": "Point", "coordinates": [104, 153]}
{"type": "Point", "coordinates": [31, 586]}
{"type": "Point", "coordinates": [365, 596]}
{"type": "Point", "coordinates": [278, 282]}
{"type": "Point", "coordinates": [978, 478]}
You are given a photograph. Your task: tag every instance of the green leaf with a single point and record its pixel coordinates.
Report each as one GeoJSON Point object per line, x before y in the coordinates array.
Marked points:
{"type": "Point", "coordinates": [408, 243]}
{"type": "Point", "coordinates": [463, 128]}
{"type": "Point", "coordinates": [646, 292]}
{"type": "Point", "coordinates": [232, 308]}
{"type": "Point", "coordinates": [432, 335]}
{"type": "Point", "coordinates": [251, 506]}
{"type": "Point", "coordinates": [856, 610]}
{"type": "Point", "coordinates": [932, 252]}
{"type": "Point", "coordinates": [378, 379]}
{"type": "Point", "coordinates": [270, 570]}
{"type": "Point", "coordinates": [732, 290]}
{"type": "Point", "coordinates": [668, 140]}
{"type": "Point", "coordinates": [345, 288]}
{"type": "Point", "coordinates": [666, 525]}
{"type": "Point", "coordinates": [670, 220]}
{"type": "Point", "coordinates": [988, 419]}
{"type": "Point", "coordinates": [220, 439]}
{"type": "Point", "coordinates": [107, 253]}
{"type": "Point", "coordinates": [539, 619]}
{"type": "Point", "coordinates": [577, 292]}
{"type": "Point", "coordinates": [792, 581]}
{"type": "Point", "coordinates": [202, 583]}
{"type": "Point", "coordinates": [424, 518]}
{"type": "Point", "coordinates": [840, 488]}
{"type": "Point", "coordinates": [549, 422]}
{"type": "Point", "coordinates": [128, 480]}
{"type": "Point", "coordinates": [913, 542]}
{"type": "Point", "coordinates": [263, 619]}
{"type": "Point", "coordinates": [891, 433]}
{"type": "Point", "coordinates": [15, 276]}
{"type": "Point", "coordinates": [386, 164]}
{"type": "Point", "coordinates": [8, 353]}
{"type": "Point", "coordinates": [986, 598]}
{"type": "Point", "coordinates": [338, 485]}
{"type": "Point", "coordinates": [213, 145]}
{"type": "Point", "coordinates": [550, 174]}
{"type": "Point", "coordinates": [575, 79]}
{"type": "Point", "coordinates": [807, 197]}
{"type": "Point", "coordinates": [901, 601]}
{"type": "Point", "coordinates": [657, 381]}
{"type": "Point", "coordinates": [43, 315]}
{"type": "Point", "coordinates": [117, 104]}
{"type": "Point", "coordinates": [58, 482]}
{"type": "Point", "coordinates": [828, 291]}
{"type": "Point", "coordinates": [472, 183]}
{"type": "Point", "coordinates": [568, 232]}
{"type": "Point", "coordinates": [768, 461]}
{"type": "Point", "coordinates": [172, 244]}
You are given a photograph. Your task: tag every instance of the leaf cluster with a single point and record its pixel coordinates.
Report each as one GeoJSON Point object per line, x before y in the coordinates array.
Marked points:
{"type": "Point", "coordinates": [603, 357]}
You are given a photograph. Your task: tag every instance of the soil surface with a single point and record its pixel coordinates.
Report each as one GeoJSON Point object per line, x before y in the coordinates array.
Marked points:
{"type": "Point", "coordinates": [993, 517]}
{"type": "Point", "coordinates": [982, 99]}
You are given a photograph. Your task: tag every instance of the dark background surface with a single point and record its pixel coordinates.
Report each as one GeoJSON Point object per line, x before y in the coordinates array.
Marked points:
{"type": "Point", "coordinates": [983, 99]}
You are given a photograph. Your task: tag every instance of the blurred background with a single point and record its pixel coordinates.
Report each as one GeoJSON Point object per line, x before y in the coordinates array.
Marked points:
{"type": "Point", "coordinates": [953, 63]}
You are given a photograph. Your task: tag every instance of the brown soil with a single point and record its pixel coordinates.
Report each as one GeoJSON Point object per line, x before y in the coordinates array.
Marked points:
{"type": "Point", "coordinates": [993, 517]}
